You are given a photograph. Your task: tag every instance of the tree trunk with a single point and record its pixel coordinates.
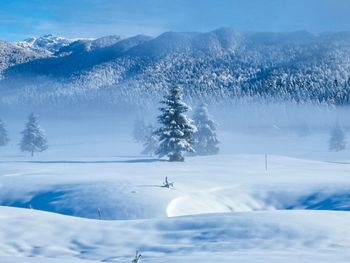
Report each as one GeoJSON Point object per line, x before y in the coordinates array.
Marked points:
{"type": "Point", "coordinates": [32, 153]}
{"type": "Point", "coordinates": [176, 157]}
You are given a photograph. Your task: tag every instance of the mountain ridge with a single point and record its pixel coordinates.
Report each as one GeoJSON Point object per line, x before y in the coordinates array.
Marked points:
{"type": "Point", "coordinates": [298, 66]}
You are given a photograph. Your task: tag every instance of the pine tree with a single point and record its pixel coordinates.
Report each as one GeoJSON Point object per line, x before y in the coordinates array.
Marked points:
{"type": "Point", "coordinates": [140, 131]}
{"type": "Point", "coordinates": [206, 142]}
{"type": "Point", "coordinates": [150, 143]}
{"type": "Point", "coordinates": [337, 141]}
{"type": "Point", "coordinates": [175, 135]}
{"type": "Point", "coordinates": [34, 138]}
{"type": "Point", "coordinates": [3, 134]}
{"type": "Point", "coordinates": [145, 134]}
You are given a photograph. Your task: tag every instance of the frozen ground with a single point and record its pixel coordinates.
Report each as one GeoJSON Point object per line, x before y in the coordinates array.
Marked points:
{"type": "Point", "coordinates": [225, 208]}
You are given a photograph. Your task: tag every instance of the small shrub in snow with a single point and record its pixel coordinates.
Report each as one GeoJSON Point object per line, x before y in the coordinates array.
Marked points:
{"type": "Point", "coordinates": [166, 183]}
{"type": "Point", "coordinates": [137, 257]}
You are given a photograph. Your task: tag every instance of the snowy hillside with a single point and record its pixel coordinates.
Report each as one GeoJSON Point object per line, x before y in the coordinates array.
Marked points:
{"type": "Point", "coordinates": [11, 55]}
{"type": "Point", "coordinates": [225, 207]}
{"type": "Point", "coordinates": [222, 64]}
{"type": "Point", "coordinates": [143, 132]}
{"type": "Point", "coordinates": [85, 45]}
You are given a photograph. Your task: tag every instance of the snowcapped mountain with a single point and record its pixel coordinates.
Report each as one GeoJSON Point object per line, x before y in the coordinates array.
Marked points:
{"type": "Point", "coordinates": [48, 42]}
{"type": "Point", "coordinates": [11, 55]}
{"type": "Point", "coordinates": [297, 66]}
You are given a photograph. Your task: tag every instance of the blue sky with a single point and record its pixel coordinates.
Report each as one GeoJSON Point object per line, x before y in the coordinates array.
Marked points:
{"type": "Point", "coordinates": [20, 19]}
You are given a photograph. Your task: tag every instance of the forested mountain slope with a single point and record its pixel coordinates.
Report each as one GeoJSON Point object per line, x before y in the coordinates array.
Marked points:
{"type": "Point", "coordinates": [222, 64]}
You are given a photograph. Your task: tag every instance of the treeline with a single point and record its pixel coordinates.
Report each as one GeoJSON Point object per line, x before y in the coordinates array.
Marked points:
{"type": "Point", "coordinates": [317, 72]}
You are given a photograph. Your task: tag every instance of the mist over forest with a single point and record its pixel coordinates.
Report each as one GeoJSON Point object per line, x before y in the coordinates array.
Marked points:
{"type": "Point", "coordinates": [251, 81]}
{"type": "Point", "coordinates": [174, 131]}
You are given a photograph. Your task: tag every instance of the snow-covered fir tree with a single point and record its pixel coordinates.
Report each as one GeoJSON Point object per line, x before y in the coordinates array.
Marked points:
{"type": "Point", "coordinates": [145, 134]}
{"type": "Point", "coordinates": [337, 141]}
{"type": "Point", "coordinates": [176, 132]}
{"type": "Point", "coordinates": [150, 143]}
{"type": "Point", "coordinates": [3, 134]}
{"type": "Point", "coordinates": [141, 131]}
{"type": "Point", "coordinates": [34, 138]}
{"type": "Point", "coordinates": [205, 138]}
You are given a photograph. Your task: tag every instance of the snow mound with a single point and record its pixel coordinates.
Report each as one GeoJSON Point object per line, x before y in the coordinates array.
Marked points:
{"type": "Point", "coordinates": [276, 234]}
{"type": "Point", "coordinates": [107, 201]}
{"type": "Point", "coordinates": [243, 200]}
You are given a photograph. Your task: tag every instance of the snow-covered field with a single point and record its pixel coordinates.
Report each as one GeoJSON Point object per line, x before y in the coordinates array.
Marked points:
{"type": "Point", "coordinates": [269, 236]}
{"type": "Point", "coordinates": [225, 208]}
